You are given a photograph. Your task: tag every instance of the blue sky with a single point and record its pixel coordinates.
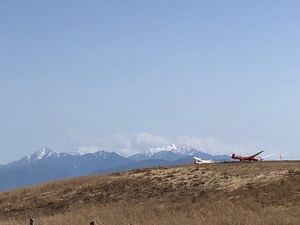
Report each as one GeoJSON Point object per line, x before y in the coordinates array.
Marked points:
{"type": "Point", "coordinates": [126, 75]}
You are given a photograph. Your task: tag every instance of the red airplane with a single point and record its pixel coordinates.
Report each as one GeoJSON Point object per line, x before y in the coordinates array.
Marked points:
{"type": "Point", "coordinates": [247, 158]}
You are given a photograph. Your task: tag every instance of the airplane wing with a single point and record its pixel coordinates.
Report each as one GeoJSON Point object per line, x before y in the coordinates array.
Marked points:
{"type": "Point", "coordinates": [256, 154]}
{"type": "Point", "coordinates": [197, 158]}
{"type": "Point", "coordinates": [267, 156]}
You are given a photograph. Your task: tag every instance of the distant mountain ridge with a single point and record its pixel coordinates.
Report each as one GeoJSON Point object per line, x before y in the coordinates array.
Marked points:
{"type": "Point", "coordinates": [175, 152]}
{"type": "Point", "coordinates": [46, 165]}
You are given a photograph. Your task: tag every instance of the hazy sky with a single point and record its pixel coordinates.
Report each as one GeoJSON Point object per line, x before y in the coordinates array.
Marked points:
{"type": "Point", "coordinates": [125, 75]}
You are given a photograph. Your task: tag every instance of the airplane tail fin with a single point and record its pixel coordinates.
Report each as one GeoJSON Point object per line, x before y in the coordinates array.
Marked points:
{"type": "Point", "coordinates": [233, 156]}
{"type": "Point", "coordinates": [194, 160]}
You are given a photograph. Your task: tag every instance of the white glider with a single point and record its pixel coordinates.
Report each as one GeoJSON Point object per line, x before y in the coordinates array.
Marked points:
{"type": "Point", "coordinates": [201, 161]}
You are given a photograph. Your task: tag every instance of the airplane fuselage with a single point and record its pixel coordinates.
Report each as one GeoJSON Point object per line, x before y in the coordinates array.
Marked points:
{"type": "Point", "coordinates": [201, 161]}
{"type": "Point", "coordinates": [246, 158]}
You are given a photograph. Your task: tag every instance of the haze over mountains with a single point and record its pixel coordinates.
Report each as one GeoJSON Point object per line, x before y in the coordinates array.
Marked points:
{"type": "Point", "coordinates": [46, 165]}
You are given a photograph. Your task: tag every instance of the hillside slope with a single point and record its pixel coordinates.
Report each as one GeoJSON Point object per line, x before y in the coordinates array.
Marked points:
{"type": "Point", "coordinates": [237, 188]}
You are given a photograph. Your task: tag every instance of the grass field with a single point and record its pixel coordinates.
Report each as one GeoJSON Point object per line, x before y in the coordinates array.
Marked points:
{"type": "Point", "coordinates": [226, 193]}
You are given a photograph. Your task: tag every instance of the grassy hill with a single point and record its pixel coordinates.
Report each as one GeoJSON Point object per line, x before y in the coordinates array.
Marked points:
{"type": "Point", "coordinates": [226, 193]}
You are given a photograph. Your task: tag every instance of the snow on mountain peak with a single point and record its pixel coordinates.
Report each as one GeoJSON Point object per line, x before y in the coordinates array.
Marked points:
{"type": "Point", "coordinates": [171, 147]}
{"type": "Point", "coordinates": [179, 149]}
{"type": "Point", "coordinates": [46, 153]}
{"type": "Point", "coordinates": [41, 154]}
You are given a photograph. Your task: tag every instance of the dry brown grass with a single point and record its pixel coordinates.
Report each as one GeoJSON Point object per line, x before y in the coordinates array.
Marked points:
{"type": "Point", "coordinates": [153, 213]}
{"type": "Point", "coordinates": [230, 193]}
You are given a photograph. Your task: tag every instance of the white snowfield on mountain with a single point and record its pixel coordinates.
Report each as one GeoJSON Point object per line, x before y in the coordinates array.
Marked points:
{"type": "Point", "coordinates": [41, 154]}
{"type": "Point", "coordinates": [179, 149]}
{"type": "Point", "coordinates": [45, 153]}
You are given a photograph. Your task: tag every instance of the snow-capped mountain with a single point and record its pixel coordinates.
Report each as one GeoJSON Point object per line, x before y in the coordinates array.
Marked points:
{"type": "Point", "coordinates": [46, 154]}
{"type": "Point", "coordinates": [42, 154]}
{"type": "Point", "coordinates": [178, 149]}
{"type": "Point", "coordinates": [45, 165]}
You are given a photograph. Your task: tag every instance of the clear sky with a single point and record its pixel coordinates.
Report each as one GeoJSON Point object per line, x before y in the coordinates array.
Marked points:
{"type": "Point", "coordinates": [126, 75]}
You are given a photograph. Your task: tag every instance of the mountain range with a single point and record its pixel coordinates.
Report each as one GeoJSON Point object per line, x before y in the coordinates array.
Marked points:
{"type": "Point", "coordinates": [47, 165]}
